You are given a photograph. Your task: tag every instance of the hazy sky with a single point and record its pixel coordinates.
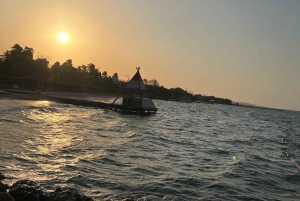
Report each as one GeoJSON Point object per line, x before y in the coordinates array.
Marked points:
{"type": "Point", "coordinates": [246, 51]}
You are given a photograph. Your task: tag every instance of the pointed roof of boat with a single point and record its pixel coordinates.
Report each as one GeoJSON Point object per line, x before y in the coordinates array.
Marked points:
{"type": "Point", "coordinates": [136, 81]}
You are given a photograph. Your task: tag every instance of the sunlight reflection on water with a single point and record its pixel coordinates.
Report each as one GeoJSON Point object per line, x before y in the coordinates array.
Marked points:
{"type": "Point", "coordinates": [183, 152]}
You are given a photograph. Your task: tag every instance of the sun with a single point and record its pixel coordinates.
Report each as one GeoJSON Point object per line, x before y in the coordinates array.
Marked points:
{"type": "Point", "coordinates": [63, 37]}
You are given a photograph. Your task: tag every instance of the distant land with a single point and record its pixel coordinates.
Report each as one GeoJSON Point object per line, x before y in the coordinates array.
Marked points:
{"type": "Point", "coordinates": [254, 106]}
{"type": "Point", "coordinates": [19, 70]}
{"type": "Point", "coordinates": [245, 104]}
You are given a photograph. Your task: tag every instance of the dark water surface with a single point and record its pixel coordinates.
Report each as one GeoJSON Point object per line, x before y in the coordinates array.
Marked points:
{"type": "Point", "coordinates": [184, 152]}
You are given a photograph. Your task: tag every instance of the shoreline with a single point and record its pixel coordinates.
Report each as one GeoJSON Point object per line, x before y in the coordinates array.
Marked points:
{"type": "Point", "coordinates": [105, 98]}
{"type": "Point", "coordinates": [48, 95]}
{"type": "Point", "coordinates": [259, 107]}
{"type": "Point", "coordinates": [103, 101]}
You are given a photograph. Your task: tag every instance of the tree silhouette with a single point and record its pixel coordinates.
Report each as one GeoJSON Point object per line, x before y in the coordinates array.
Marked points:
{"type": "Point", "coordinates": [145, 81]}
{"type": "Point", "coordinates": [153, 82]}
{"type": "Point", "coordinates": [19, 62]}
{"type": "Point", "coordinates": [104, 74]}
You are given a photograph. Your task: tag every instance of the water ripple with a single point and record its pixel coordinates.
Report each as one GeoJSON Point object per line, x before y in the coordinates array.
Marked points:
{"type": "Point", "coordinates": [184, 152]}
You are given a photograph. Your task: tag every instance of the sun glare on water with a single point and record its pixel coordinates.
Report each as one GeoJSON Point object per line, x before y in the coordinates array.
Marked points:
{"type": "Point", "coordinates": [63, 37]}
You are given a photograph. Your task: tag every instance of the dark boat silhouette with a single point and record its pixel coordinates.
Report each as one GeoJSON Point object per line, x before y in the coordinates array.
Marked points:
{"type": "Point", "coordinates": [135, 97]}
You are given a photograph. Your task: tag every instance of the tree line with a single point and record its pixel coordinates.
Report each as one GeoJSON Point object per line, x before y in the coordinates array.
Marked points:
{"type": "Point", "coordinates": [18, 62]}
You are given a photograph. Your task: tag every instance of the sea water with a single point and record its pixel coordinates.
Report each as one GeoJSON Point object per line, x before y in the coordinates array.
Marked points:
{"type": "Point", "coordinates": [186, 151]}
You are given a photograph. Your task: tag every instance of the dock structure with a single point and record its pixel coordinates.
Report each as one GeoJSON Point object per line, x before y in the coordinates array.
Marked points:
{"type": "Point", "coordinates": [135, 97]}
{"type": "Point", "coordinates": [75, 101]}
{"type": "Point", "coordinates": [102, 105]}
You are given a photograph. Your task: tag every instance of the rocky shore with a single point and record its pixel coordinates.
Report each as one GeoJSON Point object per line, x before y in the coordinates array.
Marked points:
{"type": "Point", "coordinates": [27, 190]}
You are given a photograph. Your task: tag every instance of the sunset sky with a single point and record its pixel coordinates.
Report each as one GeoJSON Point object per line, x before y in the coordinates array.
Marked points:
{"type": "Point", "coordinates": [244, 50]}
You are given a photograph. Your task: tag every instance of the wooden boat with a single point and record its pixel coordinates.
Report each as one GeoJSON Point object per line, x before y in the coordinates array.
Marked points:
{"type": "Point", "coordinates": [135, 97]}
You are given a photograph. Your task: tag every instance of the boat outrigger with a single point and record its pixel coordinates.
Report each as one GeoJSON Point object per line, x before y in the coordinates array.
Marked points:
{"type": "Point", "coordinates": [136, 98]}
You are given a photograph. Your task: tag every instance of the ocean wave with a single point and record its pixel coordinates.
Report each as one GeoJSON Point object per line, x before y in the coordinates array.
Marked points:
{"type": "Point", "coordinates": [184, 152]}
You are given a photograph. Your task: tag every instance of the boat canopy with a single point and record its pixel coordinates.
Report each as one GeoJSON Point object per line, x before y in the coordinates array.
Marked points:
{"type": "Point", "coordinates": [136, 82]}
